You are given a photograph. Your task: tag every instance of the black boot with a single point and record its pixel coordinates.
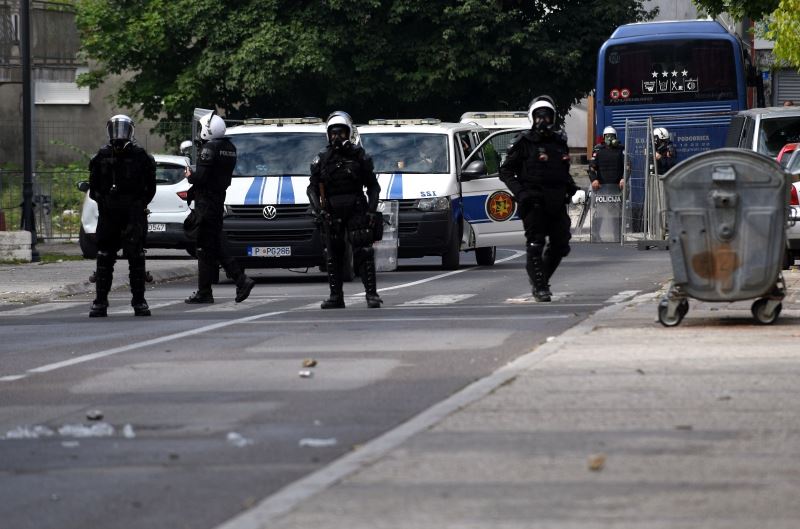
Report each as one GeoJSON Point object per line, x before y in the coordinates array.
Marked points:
{"type": "Point", "coordinates": [370, 282]}
{"type": "Point", "coordinates": [536, 274]}
{"type": "Point", "coordinates": [243, 287]}
{"type": "Point", "coordinates": [103, 278]}
{"type": "Point", "coordinates": [205, 276]}
{"type": "Point", "coordinates": [137, 277]}
{"type": "Point", "coordinates": [336, 299]}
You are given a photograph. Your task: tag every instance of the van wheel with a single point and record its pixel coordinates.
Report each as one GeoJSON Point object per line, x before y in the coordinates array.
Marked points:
{"type": "Point", "coordinates": [451, 257]}
{"type": "Point", "coordinates": [486, 256]}
{"type": "Point", "coordinates": [88, 245]}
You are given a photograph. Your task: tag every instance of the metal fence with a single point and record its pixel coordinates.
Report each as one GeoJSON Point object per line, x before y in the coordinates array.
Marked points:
{"type": "Point", "coordinates": [644, 214]}
{"type": "Point", "coordinates": [56, 199]}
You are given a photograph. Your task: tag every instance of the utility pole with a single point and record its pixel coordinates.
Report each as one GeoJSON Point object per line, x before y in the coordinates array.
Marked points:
{"type": "Point", "coordinates": [28, 222]}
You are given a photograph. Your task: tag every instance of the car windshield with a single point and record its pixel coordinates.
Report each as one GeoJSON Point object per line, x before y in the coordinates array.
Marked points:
{"type": "Point", "coordinates": [394, 152]}
{"type": "Point", "coordinates": [777, 132]}
{"type": "Point", "coordinates": [169, 173]}
{"type": "Point", "coordinates": [277, 153]}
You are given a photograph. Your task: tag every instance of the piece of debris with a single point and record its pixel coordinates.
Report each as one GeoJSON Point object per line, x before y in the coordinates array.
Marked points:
{"type": "Point", "coordinates": [94, 415]}
{"type": "Point", "coordinates": [683, 427]}
{"type": "Point", "coordinates": [238, 440]}
{"type": "Point", "coordinates": [312, 442]}
{"type": "Point", "coordinates": [127, 432]}
{"type": "Point", "coordinates": [640, 371]}
{"type": "Point", "coordinates": [597, 462]}
{"type": "Point", "coordinates": [29, 432]}
{"type": "Point", "coordinates": [725, 397]}
{"type": "Point", "coordinates": [70, 444]}
{"type": "Point", "coordinates": [305, 373]}
{"type": "Point", "coordinates": [550, 338]}
{"type": "Point", "coordinates": [101, 429]}
{"type": "Point", "coordinates": [309, 362]}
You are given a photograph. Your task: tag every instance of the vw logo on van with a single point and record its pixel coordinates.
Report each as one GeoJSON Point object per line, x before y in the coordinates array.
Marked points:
{"type": "Point", "coordinates": [270, 212]}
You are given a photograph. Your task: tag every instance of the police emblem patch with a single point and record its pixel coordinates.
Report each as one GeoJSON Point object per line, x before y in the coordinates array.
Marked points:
{"type": "Point", "coordinates": [500, 206]}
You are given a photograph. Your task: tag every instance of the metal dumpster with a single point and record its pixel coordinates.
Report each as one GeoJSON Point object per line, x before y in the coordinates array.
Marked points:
{"type": "Point", "coordinates": [727, 211]}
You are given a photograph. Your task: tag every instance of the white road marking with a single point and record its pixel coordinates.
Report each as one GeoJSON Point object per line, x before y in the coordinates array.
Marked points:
{"type": "Point", "coordinates": [523, 300]}
{"type": "Point", "coordinates": [145, 343]}
{"type": "Point", "coordinates": [231, 306]}
{"type": "Point", "coordinates": [11, 378]}
{"type": "Point", "coordinates": [41, 308]}
{"type": "Point", "coordinates": [445, 299]}
{"type": "Point", "coordinates": [153, 306]}
{"type": "Point", "coordinates": [411, 319]}
{"type": "Point", "coordinates": [622, 296]}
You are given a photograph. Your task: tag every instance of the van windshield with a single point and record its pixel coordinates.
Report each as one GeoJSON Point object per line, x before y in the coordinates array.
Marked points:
{"type": "Point", "coordinates": [277, 153]}
{"type": "Point", "coordinates": [777, 132]}
{"type": "Point", "coordinates": [393, 152]}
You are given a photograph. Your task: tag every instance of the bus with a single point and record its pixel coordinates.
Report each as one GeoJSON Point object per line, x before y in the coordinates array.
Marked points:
{"type": "Point", "coordinates": [689, 76]}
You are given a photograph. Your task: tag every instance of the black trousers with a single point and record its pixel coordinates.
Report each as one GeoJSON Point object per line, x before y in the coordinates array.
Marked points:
{"type": "Point", "coordinates": [121, 228]}
{"type": "Point", "coordinates": [212, 247]}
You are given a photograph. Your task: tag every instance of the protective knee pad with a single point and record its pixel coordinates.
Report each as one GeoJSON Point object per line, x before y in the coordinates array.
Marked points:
{"type": "Point", "coordinates": [535, 250]}
{"type": "Point", "coordinates": [106, 259]}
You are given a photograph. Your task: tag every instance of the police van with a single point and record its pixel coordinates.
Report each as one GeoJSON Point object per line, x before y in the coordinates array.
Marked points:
{"type": "Point", "coordinates": [445, 178]}
{"type": "Point", "coordinates": [268, 222]}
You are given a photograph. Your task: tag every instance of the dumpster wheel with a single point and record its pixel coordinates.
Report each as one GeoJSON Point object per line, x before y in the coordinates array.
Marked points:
{"type": "Point", "coordinates": [680, 312]}
{"type": "Point", "coordinates": [760, 308]}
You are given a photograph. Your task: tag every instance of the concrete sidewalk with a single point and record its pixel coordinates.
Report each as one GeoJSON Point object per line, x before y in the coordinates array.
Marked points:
{"type": "Point", "coordinates": [29, 282]}
{"type": "Point", "coordinates": [617, 423]}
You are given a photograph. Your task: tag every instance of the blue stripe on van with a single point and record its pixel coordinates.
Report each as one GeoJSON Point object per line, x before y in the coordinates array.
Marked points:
{"type": "Point", "coordinates": [253, 195]}
{"type": "Point", "coordinates": [395, 187]}
{"type": "Point", "coordinates": [285, 191]}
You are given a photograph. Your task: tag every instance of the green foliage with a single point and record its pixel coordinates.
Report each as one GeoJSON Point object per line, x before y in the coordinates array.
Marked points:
{"type": "Point", "coordinates": [374, 58]}
{"type": "Point", "coordinates": [784, 29]}
{"type": "Point", "coordinates": [738, 9]}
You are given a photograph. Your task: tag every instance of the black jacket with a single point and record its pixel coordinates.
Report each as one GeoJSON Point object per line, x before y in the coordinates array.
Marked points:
{"type": "Point", "coordinates": [538, 162]}
{"type": "Point", "coordinates": [608, 164]}
{"type": "Point", "coordinates": [215, 165]}
{"type": "Point", "coordinates": [344, 171]}
{"type": "Point", "coordinates": [122, 179]}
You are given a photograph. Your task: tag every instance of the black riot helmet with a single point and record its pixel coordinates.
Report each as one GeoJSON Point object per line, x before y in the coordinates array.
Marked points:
{"type": "Point", "coordinates": [120, 131]}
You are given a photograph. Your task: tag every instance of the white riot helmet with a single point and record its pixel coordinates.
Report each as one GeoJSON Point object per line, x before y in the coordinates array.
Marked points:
{"type": "Point", "coordinates": [340, 129]}
{"type": "Point", "coordinates": [120, 130]}
{"type": "Point", "coordinates": [609, 135]}
{"type": "Point", "coordinates": [212, 127]}
{"type": "Point", "coordinates": [660, 134]}
{"type": "Point", "coordinates": [541, 110]}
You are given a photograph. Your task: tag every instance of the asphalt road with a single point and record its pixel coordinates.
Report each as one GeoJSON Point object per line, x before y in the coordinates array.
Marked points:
{"type": "Point", "coordinates": [204, 408]}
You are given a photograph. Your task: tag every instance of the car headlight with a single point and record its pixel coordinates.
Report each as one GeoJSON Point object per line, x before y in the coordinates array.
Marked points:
{"type": "Point", "coordinates": [433, 204]}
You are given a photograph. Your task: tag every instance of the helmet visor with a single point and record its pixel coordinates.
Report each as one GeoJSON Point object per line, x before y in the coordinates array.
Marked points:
{"type": "Point", "coordinates": [120, 129]}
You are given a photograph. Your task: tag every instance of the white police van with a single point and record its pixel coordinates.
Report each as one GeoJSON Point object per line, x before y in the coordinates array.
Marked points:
{"type": "Point", "coordinates": [445, 178]}
{"type": "Point", "coordinates": [268, 221]}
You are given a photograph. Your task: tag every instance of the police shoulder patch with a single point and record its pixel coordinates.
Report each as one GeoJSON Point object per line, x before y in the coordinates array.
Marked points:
{"type": "Point", "coordinates": [207, 154]}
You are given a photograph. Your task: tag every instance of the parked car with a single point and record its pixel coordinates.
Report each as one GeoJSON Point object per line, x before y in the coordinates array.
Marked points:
{"type": "Point", "coordinates": [168, 209]}
{"type": "Point", "coordinates": [786, 152]}
{"type": "Point", "coordinates": [767, 131]}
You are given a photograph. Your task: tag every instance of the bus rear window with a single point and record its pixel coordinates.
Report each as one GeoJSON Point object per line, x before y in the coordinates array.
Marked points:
{"type": "Point", "coordinates": [670, 71]}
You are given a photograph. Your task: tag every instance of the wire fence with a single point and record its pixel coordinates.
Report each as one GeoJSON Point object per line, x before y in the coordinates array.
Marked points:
{"type": "Point", "coordinates": [57, 202]}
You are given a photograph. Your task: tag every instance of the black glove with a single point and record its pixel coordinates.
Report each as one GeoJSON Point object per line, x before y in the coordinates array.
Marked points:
{"type": "Point", "coordinates": [526, 198]}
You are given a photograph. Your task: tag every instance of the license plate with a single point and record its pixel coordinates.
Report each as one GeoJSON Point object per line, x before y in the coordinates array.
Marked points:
{"type": "Point", "coordinates": [156, 227]}
{"type": "Point", "coordinates": [269, 251]}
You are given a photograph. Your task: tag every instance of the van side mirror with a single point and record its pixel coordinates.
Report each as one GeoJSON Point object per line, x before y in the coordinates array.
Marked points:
{"type": "Point", "coordinates": [475, 169]}
{"type": "Point", "coordinates": [83, 186]}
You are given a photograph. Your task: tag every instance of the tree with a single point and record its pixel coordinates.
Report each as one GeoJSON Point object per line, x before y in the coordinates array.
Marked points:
{"type": "Point", "coordinates": [374, 58]}
{"type": "Point", "coordinates": [783, 17]}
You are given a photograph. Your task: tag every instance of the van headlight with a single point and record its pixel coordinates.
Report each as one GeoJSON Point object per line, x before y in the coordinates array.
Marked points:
{"type": "Point", "coordinates": [433, 204]}
{"type": "Point", "coordinates": [226, 210]}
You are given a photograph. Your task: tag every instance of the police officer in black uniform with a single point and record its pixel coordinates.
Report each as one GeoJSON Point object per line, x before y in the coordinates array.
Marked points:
{"type": "Point", "coordinates": [536, 170]}
{"type": "Point", "coordinates": [210, 181]}
{"type": "Point", "coordinates": [122, 180]}
{"type": "Point", "coordinates": [608, 161]}
{"type": "Point", "coordinates": [665, 152]}
{"type": "Point", "coordinates": [339, 175]}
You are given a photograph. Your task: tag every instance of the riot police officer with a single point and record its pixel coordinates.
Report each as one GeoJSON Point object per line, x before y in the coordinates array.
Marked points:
{"type": "Point", "coordinates": [122, 180]}
{"type": "Point", "coordinates": [665, 152]}
{"type": "Point", "coordinates": [339, 175]}
{"type": "Point", "coordinates": [608, 161]}
{"type": "Point", "coordinates": [536, 170]}
{"type": "Point", "coordinates": [215, 164]}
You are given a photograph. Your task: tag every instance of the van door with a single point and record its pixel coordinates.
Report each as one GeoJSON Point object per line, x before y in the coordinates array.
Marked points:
{"type": "Point", "coordinates": [490, 211]}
